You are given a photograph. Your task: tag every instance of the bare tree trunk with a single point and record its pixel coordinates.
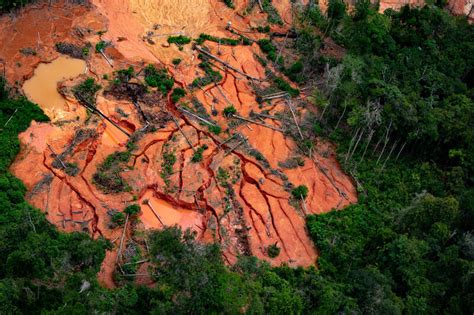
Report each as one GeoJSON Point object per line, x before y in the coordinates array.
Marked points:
{"type": "Point", "coordinates": [340, 117]}
{"type": "Point", "coordinates": [371, 134]}
{"type": "Point", "coordinates": [119, 253]}
{"type": "Point", "coordinates": [350, 144]}
{"type": "Point", "coordinates": [385, 143]}
{"type": "Point", "coordinates": [377, 145]}
{"type": "Point", "coordinates": [389, 153]}
{"type": "Point", "coordinates": [357, 143]}
{"type": "Point", "coordinates": [294, 118]}
{"type": "Point", "coordinates": [400, 151]}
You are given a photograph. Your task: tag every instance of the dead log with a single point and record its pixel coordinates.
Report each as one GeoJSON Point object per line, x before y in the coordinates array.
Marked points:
{"type": "Point", "coordinates": [199, 48]}
{"type": "Point", "coordinates": [56, 156]}
{"type": "Point", "coordinates": [93, 109]}
{"type": "Point", "coordinates": [154, 212]}
{"type": "Point", "coordinates": [196, 116]}
{"type": "Point", "coordinates": [294, 118]}
{"type": "Point", "coordinates": [257, 123]}
{"type": "Point", "coordinates": [227, 140]}
{"type": "Point", "coordinates": [106, 58]}
{"type": "Point", "coordinates": [182, 132]}
{"type": "Point", "coordinates": [236, 146]}
{"type": "Point", "coordinates": [119, 253]}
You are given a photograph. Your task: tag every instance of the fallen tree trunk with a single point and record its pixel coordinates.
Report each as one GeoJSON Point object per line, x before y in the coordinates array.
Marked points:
{"type": "Point", "coordinates": [257, 123]}
{"type": "Point", "coordinates": [199, 48]}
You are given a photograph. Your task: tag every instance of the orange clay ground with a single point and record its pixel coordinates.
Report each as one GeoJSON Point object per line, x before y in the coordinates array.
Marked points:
{"type": "Point", "coordinates": [260, 212]}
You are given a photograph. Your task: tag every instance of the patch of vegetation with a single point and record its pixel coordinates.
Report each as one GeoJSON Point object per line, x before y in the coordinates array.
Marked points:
{"type": "Point", "coordinates": [177, 61]}
{"type": "Point", "coordinates": [273, 251]}
{"type": "Point", "coordinates": [177, 94]}
{"type": "Point", "coordinates": [270, 50]}
{"type": "Point", "coordinates": [211, 76]}
{"type": "Point", "coordinates": [28, 51]}
{"type": "Point", "coordinates": [179, 40]}
{"type": "Point", "coordinates": [118, 218]}
{"type": "Point", "coordinates": [72, 169]}
{"type": "Point", "coordinates": [292, 162]}
{"type": "Point", "coordinates": [197, 156]}
{"type": "Point", "coordinates": [223, 41]}
{"type": "Point", "coordinates": [158, 78]}
{"type": "Point", "coordinates": [86, 90]}
{"type": "Point", "coordinates": [101, 45]}
{"type": "Point", "coordinates": [215, 129]}
{"type": "Point", "coordinates": [132, 210]}
{"type": "Point", "coordinates": [300, 192]}
{"type": "Point", "coordinates": [73, 50]}
{"type": "Point", "coordinates": [264, 29]}
{"type": "Point", "coordinates": [285, 86]}
{"type": "Point", "coordinates": [273, 15]}
{"type": "Point", "coordinates": [108, 178]}
{"type": "Point", "coordinates": [229, 111]}
{"type": "Point", "coordinates": [229, 3]}
{"type": "Point", "coordinates": [169, 159]}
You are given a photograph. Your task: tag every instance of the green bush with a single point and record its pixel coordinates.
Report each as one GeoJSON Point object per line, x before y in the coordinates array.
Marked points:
{"type": "Point", "coordinates": [273, 251]}
{"type": "Point", "coordinates": [177, 94]}
{"type": "Point", "coordinates": [132, 209]}
{"type": "Point", "coordinates": [159, 79]}
{"type": "Point", "coordinates": [300, 192]}
{"type": "Point", "coordinates": [86, 90]}
{"type": "Point", "coordinates": [179, 40]}
{"type": "Point", "coordinates": [229, 111]}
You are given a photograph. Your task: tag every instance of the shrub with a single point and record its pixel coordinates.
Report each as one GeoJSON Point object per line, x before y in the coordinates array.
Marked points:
{"type": "Point", "coordinates": [179, 40]}
{"type": "Point", "coordinates": [229, 111]}
{"type": "Point", "coordinates": [273, 250]}
{"type": "Point", "coordinates": [101, 45]}
{"type": "Point", "coordinates": [118, 218]}
{"type": "Point", "coordinates": [86, 90]}
{"type": "Point", "coordinates": [158, 78]}
{"type": "Point", "coordinates": [197, 156]}
{"type": "Point", "coordinates": [215, 129]}
{"type": "Point", "coordinates": [229, 3]}
{"type": "Point", "coordinates": [300, 192]}
{"type": "Point", "coordinates": [177, 61]}
{"type": "Point", "coordinates": [132, 209]}
{"type": "Point", "coordinates": [177, 94]}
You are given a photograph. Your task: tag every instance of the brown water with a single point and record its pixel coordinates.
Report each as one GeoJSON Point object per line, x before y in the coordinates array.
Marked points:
{"type": "Point", "coordinates": [42, 87]}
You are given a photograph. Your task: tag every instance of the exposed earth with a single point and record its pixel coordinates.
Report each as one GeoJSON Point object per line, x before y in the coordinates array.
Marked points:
{"type": "Point", "coordinates": [238, 195]}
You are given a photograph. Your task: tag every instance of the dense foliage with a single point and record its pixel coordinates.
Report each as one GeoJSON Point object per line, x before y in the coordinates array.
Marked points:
{"type": "Point", "coordinates": [6, 5]}
{"type": "Point", "coordinates": [400, 106]}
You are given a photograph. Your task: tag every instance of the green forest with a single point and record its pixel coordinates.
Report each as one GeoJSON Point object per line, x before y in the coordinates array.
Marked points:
{"type": "Point", "coordinates": [400, 107]}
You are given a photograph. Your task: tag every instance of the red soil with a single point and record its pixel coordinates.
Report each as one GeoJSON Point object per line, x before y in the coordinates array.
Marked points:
{"type": "Point", "coordinates": [259, 215]}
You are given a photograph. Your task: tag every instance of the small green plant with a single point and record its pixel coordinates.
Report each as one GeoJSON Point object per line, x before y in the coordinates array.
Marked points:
{"type": "Point", "coordinates": [229, 3]}
{"type": "Point", "coordinates": [86, 90]}
{"type": "Point", "coordinates": [215, 129]}
{"type": "Point", "coordinates": [132, 209]}
{"type": "Point", "coordinates": [179, 40]}
{"type": "Point", "coordinates": [107, 177]}
{"type": "Point", "coordinates": [222, 176]}
{"type": "Point", "coordinates": [300, 192]}
{"type": "Point", "coordinates": [118, 218]}
{"type": "Point", "coordinates": [211, 76]}
{"type": "Point", "coordinates": [72, 169]}
{"type": "Point", "coordinates": [273, 250]}
{"type": "Point", "coordinates": [158, 78]}
{"type": "Point", "coordinates": [101, 45]}
{"type": "Point", "coordinates": [229, 111]}
{"type": "Point", "coordinates": [197, 156]}
{"type": "Point", "coordinates": [177, 94]}
{"type": "Point", "coordinates": [177, 61]}
{"type": "Point", "coordinates": [264, 29]}
{"type": "Point", "coordinates": [285, 86]}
